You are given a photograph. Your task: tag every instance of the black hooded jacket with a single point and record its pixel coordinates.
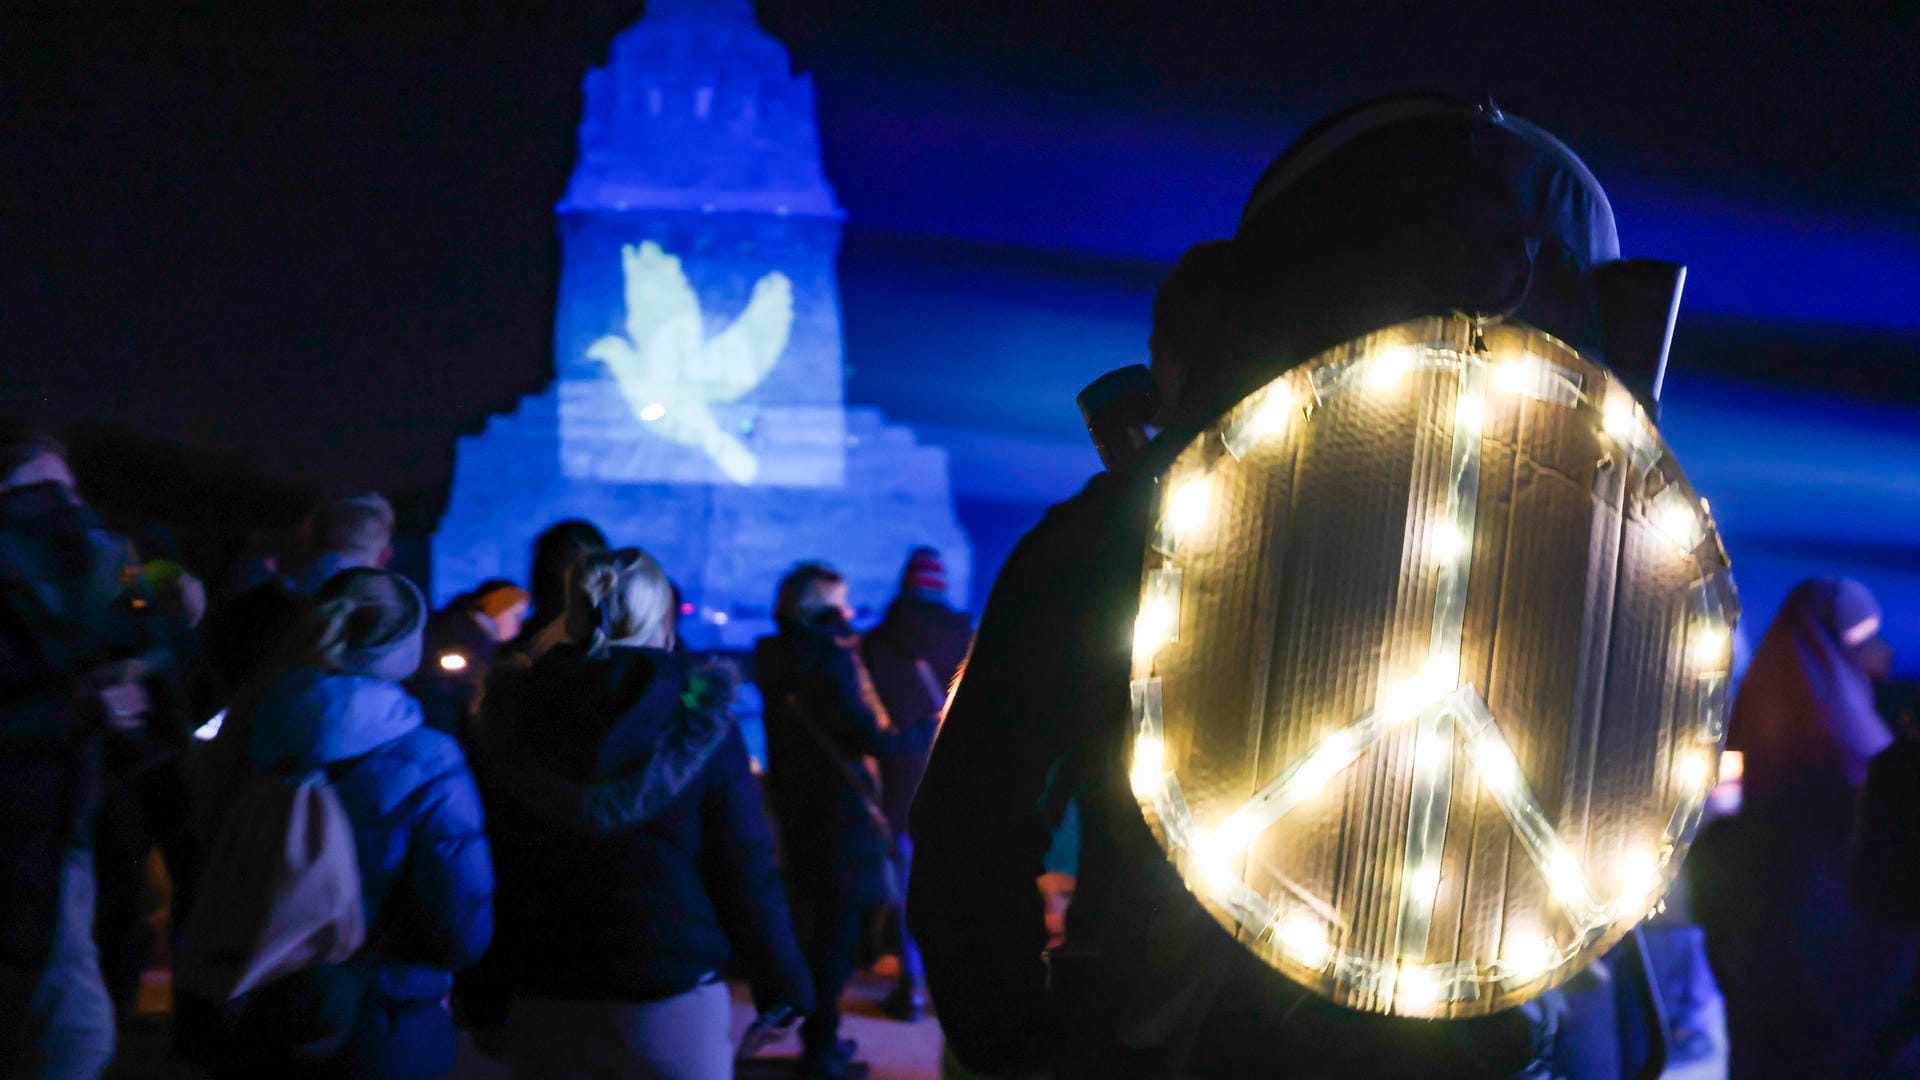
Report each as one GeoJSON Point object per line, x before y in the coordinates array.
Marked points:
{"type": "Point", "coordinates": [632, 856]}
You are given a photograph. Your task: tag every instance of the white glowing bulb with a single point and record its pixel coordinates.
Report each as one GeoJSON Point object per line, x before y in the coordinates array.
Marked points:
{"type": "Point", "coordinates": [1515, 376]}
{"type": "Point", "coordinates": [1187, 506]}
{"type": "Point", "coordinates": [1565, 877]}
{"type": "Point", "coordinates": [1446, 541]}
{"type": "Point", "coordinates": [1470, 414]}
{"type": "Point", "coordinates": [1422, 881]}
{"type": "Point", "coordinates": [1149, 764]}
{"type": "Point", "coordinates": [1431, 756]}
{"type": "Point", "coordinates": [1415, 986]}
{"type": "Point", "coordinates": [1210, 859]}
{"type": "Point", "coordinates": [1152, 628]}
{"type": "Point", "coordinates": [1618, 418]}
{"type": "Point", "coordinates": [653, 411]}
{"type": "Point", "coordinates": [1438, 676]}
{"type": "Point", "coordinates": [1271, 416]}
{"type": "Point", "coordinates": [1527, 957]}
{"type": "Point", "coordinates": [1694, 772]}
{"type": "Point", "coordinates": [1498, 771]}
{"type": "Point", "coordinates": [1322, 765]}
{"type": "Point", "coordinates": [1639, 875]}
{"type": "Point", "coordinates": [1675, 517]}
{"type": "Point", "coordinates": [1303, 939]}
{"type": "Point", "coordinates": [1710, 647]}
{"type": "Point", "coordinates": [1405, 699]}
{"type": "Point", "coordinates": [1387, 367]}
{"type": "Point", "coordinates": [452, 661]}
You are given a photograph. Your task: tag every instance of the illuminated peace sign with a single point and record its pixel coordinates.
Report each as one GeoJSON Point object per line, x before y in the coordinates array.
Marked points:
{"type": "Point", "coordinates": [1430, 668]}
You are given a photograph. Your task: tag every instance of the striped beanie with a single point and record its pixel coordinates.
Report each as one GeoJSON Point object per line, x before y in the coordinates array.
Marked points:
{"type": "Point", "coordinates": [926, 573]}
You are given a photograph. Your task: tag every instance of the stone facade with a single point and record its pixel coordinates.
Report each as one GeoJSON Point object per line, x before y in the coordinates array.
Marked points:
{"type": "Point", "coordinates": [698, 408]}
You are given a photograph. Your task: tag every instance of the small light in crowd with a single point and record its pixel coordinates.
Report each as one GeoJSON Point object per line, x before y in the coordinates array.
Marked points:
{"type": "Point", "coordinates": [1187, 507]}
{"type": "Point", "coordinates": [653, 412]}
{"type": "Point", "coordinates": [686, 609]}
{"type": "Point", "coordinates": [1302, 938]}
{"type": "Point", "coordinates": [1733, 766]}
{"type": "Point", "coordinates": [208, 731]}
{"type": "Point", "coordinates": [452, 661]}
{"type": "Point", "coordinates": [720, 618]}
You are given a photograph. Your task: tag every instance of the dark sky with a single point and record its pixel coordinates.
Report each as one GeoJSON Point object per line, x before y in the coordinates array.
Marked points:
{"type": "Point", "coordinates": [319, 235]}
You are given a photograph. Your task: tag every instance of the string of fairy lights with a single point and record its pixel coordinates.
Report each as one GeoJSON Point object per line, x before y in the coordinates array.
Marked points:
{"type": "Point", "coordinates": [1448, 717]}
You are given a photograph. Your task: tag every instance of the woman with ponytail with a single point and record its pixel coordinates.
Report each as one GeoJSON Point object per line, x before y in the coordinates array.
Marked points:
{"type": "Point", "coordinates": [334, 703]}
{"type": "Point", "coordinates": [634, 860]}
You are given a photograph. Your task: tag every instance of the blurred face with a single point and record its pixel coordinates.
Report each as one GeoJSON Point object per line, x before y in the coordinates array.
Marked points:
{"type": "Point", "coordinates": [823, 596]}
{"type": "Point", "coordinates": [1875, 657]}
{"type": "Point", "coordinates": [507, 624]}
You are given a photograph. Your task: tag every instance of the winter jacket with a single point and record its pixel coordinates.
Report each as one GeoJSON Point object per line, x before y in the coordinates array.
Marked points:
{"type": "Point", "coordinates": [913, 655]}
{"type": "Point", "coordinates": [425, 874]}
{"type": "Point", "coordinates": [69, 607]}
{"type": "Point", "coordinates": [823, 719]}
{"type": "Point", "coordinates": [633, 854]}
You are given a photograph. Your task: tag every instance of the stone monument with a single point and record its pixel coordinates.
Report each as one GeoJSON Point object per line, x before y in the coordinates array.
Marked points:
{"type": "Point", "coordinates": [698, 407]}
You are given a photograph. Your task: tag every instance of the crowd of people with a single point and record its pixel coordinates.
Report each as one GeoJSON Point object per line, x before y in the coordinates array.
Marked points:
{"type": "Point", "coordinates": [534, 817]}
{"type": "Point", "coordinates": [531, 815]}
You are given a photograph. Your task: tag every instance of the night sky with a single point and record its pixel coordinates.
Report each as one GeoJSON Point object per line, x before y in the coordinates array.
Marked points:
{"type": "Point", "coordinates": [318, 237]}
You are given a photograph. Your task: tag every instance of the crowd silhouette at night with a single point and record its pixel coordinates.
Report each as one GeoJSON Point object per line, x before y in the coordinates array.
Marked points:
{"type": "Point", "coordinates": [353, 832]}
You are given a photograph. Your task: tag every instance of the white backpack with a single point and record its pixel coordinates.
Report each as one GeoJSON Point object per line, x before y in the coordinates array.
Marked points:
{"type": "Point", "coordinates": [280, 893]}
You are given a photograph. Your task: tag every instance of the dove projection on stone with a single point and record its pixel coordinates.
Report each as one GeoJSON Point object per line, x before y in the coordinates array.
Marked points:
{"type": "Point", "coordinates": [672, 375]}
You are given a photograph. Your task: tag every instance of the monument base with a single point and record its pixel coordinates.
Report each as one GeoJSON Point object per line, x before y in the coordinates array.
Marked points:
{"type": "Point", "coordinates": [725, 545]}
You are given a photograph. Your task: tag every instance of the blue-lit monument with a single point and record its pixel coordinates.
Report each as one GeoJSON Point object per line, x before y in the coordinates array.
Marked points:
{"type": "Point", "coordinates": [698, 409]}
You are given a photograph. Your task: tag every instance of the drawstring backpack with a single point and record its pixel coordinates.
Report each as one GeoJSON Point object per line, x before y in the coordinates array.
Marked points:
{"type": "Point", "coordinates": [278, 914]}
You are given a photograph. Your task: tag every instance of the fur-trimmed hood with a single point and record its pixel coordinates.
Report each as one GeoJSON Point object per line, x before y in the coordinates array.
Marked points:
{"type": "Point", "coordinates": [598, 745]}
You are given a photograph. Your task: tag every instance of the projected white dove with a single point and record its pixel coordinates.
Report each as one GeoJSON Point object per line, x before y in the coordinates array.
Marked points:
{"type": "Point", "coordinates": [671, 374]}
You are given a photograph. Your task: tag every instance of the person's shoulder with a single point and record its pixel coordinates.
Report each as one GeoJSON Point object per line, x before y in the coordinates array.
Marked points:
{"type": "Point", "coordinates": [418, 758]}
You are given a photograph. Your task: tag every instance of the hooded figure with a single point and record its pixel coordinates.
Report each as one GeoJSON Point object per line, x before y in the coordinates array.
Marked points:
{"type": "Point", "coordinates": [1815, 985]}
{"type": "Point", "coordinates": [426, 877]}
{"type": "Point", "coordinates": [614, 767]}
{"type": "Point", "coordinates": [1400, 209]}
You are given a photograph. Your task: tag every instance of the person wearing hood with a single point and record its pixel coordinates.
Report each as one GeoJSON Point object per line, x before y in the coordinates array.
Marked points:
{"type": "Point", "coordinates": [425, 873]}
{"type": "Point", "coordinates": [1397, 209]}
{"type": "Point", "coordinates": [913, 654]}
{"type": "Point", "coordinates": [824, 721]}
{"type": "Point", "coordinates": [1815, 984]}
{"type": "Point", "coordinates": [634, 857]}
